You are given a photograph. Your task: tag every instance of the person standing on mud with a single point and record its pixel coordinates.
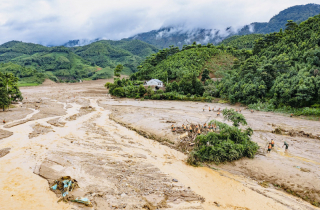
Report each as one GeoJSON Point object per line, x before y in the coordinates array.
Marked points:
{"type": "Point", "coordinates": [272, 143]}
{"type": "Point", "coordinates": [269, 147]}
{"type": "Point", "coordinates": [287, 146]}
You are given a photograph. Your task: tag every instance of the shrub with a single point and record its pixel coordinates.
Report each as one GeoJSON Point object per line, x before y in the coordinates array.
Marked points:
{"type": "Point", "coordinates": [228, 144]}
{"type": "Point", "coordinates": [107, 85]}
{"type": "Point", "coordinates": [160, 92]}
{"type": "Point", "coordinates": [119, 91]}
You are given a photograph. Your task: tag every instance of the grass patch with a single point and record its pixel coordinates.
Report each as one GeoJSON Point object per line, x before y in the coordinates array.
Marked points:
{"type": "Point", "coordinates": [311, 112]}
{"type": "Point", "coordinates": [219, 64]}
{"type": "Point", "coordinates": [27, 84]}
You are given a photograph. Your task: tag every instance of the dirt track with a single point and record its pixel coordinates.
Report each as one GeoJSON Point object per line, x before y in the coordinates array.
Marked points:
{"type": "Point", "coordinates": [116, 168]}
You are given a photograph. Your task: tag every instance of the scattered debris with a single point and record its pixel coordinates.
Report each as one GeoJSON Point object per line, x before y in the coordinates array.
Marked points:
{"type": "Point", "coordinates": [305, 170]}
{"type": "Point", "coordinates": [217, 204]}
{"type": "Point", "coordinates": [294, 133]}
{"type": "Point", "coordinates": [84, 201]}
{"type": "Point", "coordinates": [64, 186]}
{"type": "Point", "coordinates": [264, 184]}
{"type": "Point", "coordinates": [168, 121]}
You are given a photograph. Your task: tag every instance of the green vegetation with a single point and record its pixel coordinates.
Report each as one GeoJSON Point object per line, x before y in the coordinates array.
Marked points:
{"type": "Point", "coordinates": [314, 110]}
{"type": "Point", "coordinates": [9, 91]}
{"type": "Point", "coordinates": [241, 42]}
{"type": "Point", "coordinates": [219, 63]}
{"type": "Point", "coordinates": [32, 63]}
{"type": "Point", "coordinates": [172, 63]}
{"type": "Point", "coordinates": [184, 68]}
{"type": "Point", "coordinates": [229, 143]}
{"type": "Point", "coordinates": [106, 53]}
{"type": "Point", "coordinates": [205, 75]}
{"type": "Point", "coordinates": [283, 69]}
{"type": "Point", "coordinates": [27, 76]}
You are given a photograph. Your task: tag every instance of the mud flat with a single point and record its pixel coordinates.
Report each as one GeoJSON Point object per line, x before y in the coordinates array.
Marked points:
{"type": "Point", "coordinates": [296, 171]}
{"type": "Point", "coordinates": [116, 168]}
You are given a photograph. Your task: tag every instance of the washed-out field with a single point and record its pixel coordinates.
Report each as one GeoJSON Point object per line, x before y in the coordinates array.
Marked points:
{"type": "Point", "coordinates": [123, 155]}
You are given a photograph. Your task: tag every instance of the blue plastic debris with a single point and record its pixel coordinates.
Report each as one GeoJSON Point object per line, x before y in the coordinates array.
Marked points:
{"type": "Point", "coordinates": [83, 200]}
{"type": "Point", "coordinates": [54, 187]}
{"type": "Point", "coordinates": [66, 184]}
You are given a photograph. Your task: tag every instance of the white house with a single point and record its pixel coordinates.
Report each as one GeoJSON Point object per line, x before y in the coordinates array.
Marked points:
{"type": "Point", "coordinates": [154, 82]}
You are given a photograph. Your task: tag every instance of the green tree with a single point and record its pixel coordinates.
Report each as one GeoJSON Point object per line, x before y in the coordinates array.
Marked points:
{"type": "Point", "coordinates": [233, 116]}
{"type": "Point", "coordinates": [117, 70]}
{"type": "Point", "coordinates": [142, 90]}
{"type": "Point", "coordinates": [9, 91]}
{"type": "Point", "coordinates": [205, 75]}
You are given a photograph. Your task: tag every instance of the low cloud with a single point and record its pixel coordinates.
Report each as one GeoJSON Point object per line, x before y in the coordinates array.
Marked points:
{"type": "Point", "coordinates": [54, 22]}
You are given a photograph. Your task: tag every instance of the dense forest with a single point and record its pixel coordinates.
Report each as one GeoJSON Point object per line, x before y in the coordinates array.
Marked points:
{"type": "Point", "coordinates": [242, 42]}
{"type": "Point", "coordinates": [283, 69]}
{"type": "Point", "coordinates": [62, 64]}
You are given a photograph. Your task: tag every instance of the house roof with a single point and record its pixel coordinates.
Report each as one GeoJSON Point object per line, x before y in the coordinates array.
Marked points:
{"type": "Point", "coordinates": [155, 80]}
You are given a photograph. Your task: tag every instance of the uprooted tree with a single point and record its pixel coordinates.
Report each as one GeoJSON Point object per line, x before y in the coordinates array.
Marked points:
{"type": "Point", "coordinates": [229, 143]}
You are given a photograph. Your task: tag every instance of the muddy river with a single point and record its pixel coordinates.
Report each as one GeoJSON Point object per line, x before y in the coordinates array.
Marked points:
{"type": "Point", "coordinates": [124, 156]}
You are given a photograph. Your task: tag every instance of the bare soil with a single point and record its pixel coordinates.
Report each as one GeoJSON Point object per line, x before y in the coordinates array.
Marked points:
{"type": "Point", "coordinates": [117, 168]}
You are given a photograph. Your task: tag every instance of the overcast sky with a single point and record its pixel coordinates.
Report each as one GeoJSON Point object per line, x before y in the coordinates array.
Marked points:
{"type": "Point", "coordinates": [57, 21]}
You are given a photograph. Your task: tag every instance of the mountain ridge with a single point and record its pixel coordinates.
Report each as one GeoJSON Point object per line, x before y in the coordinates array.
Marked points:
{"type": "Point", "coordinates": [179, 37]}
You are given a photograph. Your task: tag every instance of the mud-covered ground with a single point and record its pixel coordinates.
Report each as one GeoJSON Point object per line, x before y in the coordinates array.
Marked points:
{"type": "Point", "coordinates": [78, 130]}
{"type": "Point", "coordinates": [296, 171]}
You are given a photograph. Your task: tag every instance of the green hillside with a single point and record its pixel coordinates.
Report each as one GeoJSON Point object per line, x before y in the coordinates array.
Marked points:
{"type": "Point", "coordinates": [282, 71]}
{"type": "Point", "coordinates": [107, 53]}
{"type": "Point", "coordinates": [242, 42]}
{"type": "Point", "coordinates": [297, 13]}
{"type": "Point", "coordinates": [93, 61]}
{"type": "Point", "coordinates": [173, 64]}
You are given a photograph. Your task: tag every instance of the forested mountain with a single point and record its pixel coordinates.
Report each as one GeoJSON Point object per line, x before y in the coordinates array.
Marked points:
{"type": "Point", "coordinates": [282, 70]}
{"type": "Point", "coordinates": [178, 36]}
{"type": "Point", "coordinates": [242, 42]}
{"type": "Point", "coordinates": [297, 14]}
{"type": "Point", "coordinates": [175, 64]}
{"type": "Point", "coordinates": [96, 60]}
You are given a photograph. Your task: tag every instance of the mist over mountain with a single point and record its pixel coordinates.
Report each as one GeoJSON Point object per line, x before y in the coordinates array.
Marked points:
{"type": "Point", "coordinates": [79, 42]}
{"type": "Point", "coordinates": [179, 36]}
